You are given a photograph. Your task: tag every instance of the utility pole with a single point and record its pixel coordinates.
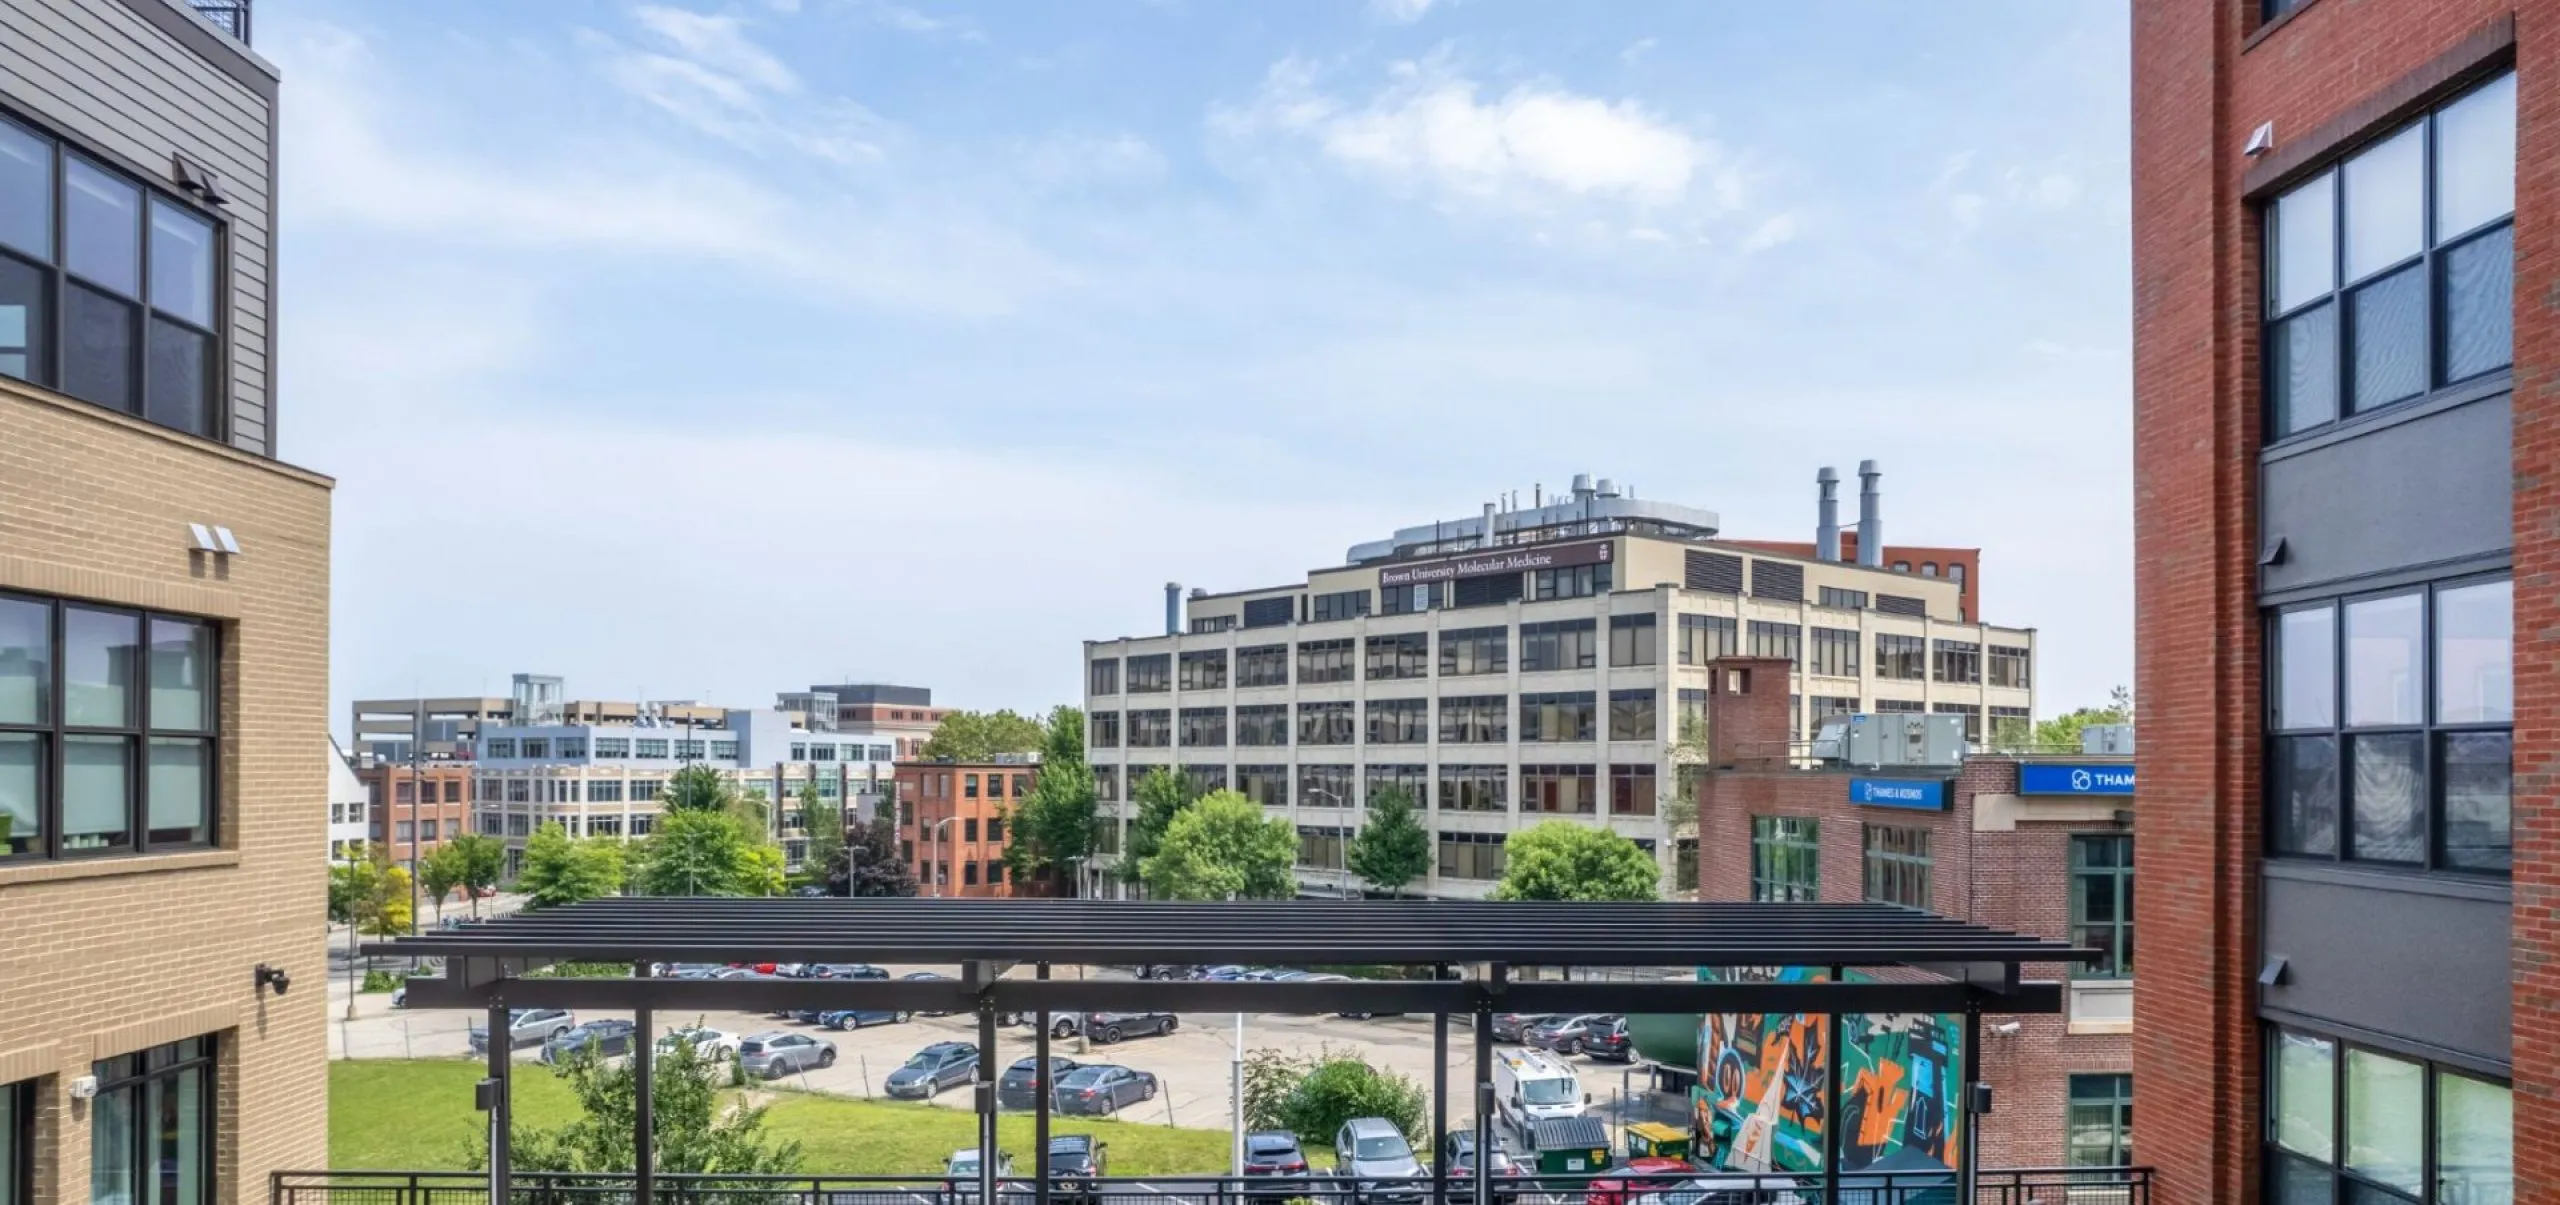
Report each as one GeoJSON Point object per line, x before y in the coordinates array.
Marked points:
{"type": "Point", "coordinates": [417, 749]}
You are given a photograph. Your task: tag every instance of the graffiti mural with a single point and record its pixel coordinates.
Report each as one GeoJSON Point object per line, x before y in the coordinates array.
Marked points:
{"type": "Point", "coordinates": [1759, 1100]}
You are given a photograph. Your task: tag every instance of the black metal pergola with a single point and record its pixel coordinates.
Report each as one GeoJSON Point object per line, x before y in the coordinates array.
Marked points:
{"type": "Point", "coordinates": [1468, 948]}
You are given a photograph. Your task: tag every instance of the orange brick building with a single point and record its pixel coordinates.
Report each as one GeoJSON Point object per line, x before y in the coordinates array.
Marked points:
{"type": "Point", "coordinates": [952, 819]}
{"type": "Point", "coordinates": [425, 805]}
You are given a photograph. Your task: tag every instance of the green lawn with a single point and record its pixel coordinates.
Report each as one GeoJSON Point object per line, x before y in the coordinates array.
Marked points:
{"type": "Point", "coordinates": [403, 1114]}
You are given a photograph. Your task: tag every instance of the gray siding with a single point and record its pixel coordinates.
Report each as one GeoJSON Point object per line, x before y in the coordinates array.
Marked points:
{"type": "Point", "coordinates": [102, 75]}
{"type": "Point", "coordinates": [2427, 491]}
{"type": "Point", "coordinates": [2424, 961]}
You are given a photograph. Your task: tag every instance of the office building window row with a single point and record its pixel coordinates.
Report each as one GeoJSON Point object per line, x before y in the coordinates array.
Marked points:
{"type": "Point", "coordinates": [152, 1126]}
{"type": "Point", "coordinates": [2009, 667]}
{"type": "Point", "coordinates": [107, 730]}
{"type": "Point", "coordinates": [1263, 724]}
{"type": "Point", "coordinates": [1904, 658]}
{"type": "Point", "coordinates": [1956, 661]}
{"type": "Point", "coordinates": [1204, 670]}
{"type": "Point", "coordinates": [1103, 729]}
{"type": "Point", "coordinates": [1477, 856]}
{"type": "Point", "coordinates": [1263, 665]}
{"type": "Point", "coordinates": [1823, 707]}
{"type": "Point", "coordinates": [1202, 727]}
{"type": "Point", "coordinates": [1265, 785]}
{"type": "Point", "coordinates": [1475, 788]}
{"type": "Point", "coordinates": [1475, 719]}
{"type": "Point", "coordinates": [1786, 859]}
{"type": "Point", "coordinates": [2350, 1124]}
{"type": "Point", "coordinates": [1322, 847]}
{"type": "Point", "coordinates": [1346, 604]}
{"type": "Point", "coordinates": [1413, 780]}
{"type": "Point", "coordinates": [1633, 640]}
{"type": "Point", "coordinates": [1835, 652]}
{"type": "Point", "coordinates": [1202, 625]}
{"type": "Point", "coordinates": [1411, 600]}
{"type": "Point", "coordinates": [2102, 902]}
{"type": "Point", "coordinates": [1100, 678]}
{"type": "Point", "coordinates": [1151, 729]}
{"type": "Point", "coordinates": [1327, 723]}
{"type": "Point", "coordinates": [1150, 674]}
{"type": "Point", "coordinates": [1633, 715]}
{"type": "Point", "coordinates": [1558, 645]}
{"type": "Point", "coordinates": [1205, 778]}
{"type": "Point", "coordinates": [1322, 661]}
{"type": "Point", "coordinates": [1845, 600]}
{"type": "Point", "coordinates": [1897, 866]}
{"type": "Point", "coordinates": [2392, 717]}
{"type": "Point", "coordinates": [1692, 716]}
{"type": "Point", "coordinates": [1106, 783]}
{"type": "Point", "coordinates": [1399, 721]}
{"type": "Point", "coordinates": [1581, 581]}
{"type": "Point", "coordinates": [1560, 716]}
{"type": "Point", "coordinates": [1972, 718]}
{"type": "Point", "coordinates": [1467, 651]}
{"type": "Point", "coordinates": [2393, 274]}
{"type": "Point", "coordinates": [1779, 640]}
{"type": "Point", "coordinates": [1407, 655]}
{"type": "Point", "coordinates": [1703, 638]}
{"type": "Point", "coordinates": [1569, 790]}
{"type": "Point", "coordinates": [2098, 1121]}
{"type": "Point", "coordinates": [1631, 789]}
{"type": "Point", "coordinates": [1325, 787]}
{"type": "Point", "coordinates": [1270, 612]}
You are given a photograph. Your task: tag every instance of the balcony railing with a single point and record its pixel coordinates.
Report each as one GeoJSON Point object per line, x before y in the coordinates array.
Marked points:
{"type": "Point", "coordinates": [2014, 1186]}
{"type": "Point", "coordinates": [232, 16]}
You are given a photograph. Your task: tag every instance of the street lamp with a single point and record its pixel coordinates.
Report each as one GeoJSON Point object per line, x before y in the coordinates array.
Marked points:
{"type": "Point", "coordinates": [933, 833]}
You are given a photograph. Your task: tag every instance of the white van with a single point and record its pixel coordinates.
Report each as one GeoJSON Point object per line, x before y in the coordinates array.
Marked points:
{"type": "Point", "coordinates": [1530, 1086]}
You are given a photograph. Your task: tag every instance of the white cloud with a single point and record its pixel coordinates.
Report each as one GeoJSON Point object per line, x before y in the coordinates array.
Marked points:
{"type": "Point", "coordinates": [1778, 229]}
{"type": "Point", "coordinates": [1400, 12]}
{"type": "Point", "coordinates": [1536, 142]}
{"type": "Point", "coordinates": [718, 43]}
{"type": "Point", "coordinates": [907, 20]}
{"type": "Point", "coordinates": [1076, 159]}
{"type": "Point", "coordinates": [1636, 50]}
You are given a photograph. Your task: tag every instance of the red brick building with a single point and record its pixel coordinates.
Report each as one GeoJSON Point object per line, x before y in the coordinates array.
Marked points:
{"type": "Point", "coordinates": [2343, 366]}
{"type": "Point", "coordinates": [1963, 566]}
{"type": "Point", "coordinates": [426, 804]}
{"type": "Point", "coordinates": [951, 823]}
{"type": "Point", "coordinates": [2054, 864]}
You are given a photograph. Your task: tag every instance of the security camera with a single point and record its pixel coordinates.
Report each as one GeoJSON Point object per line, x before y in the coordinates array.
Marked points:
{"type": "Point", "coordinates": [2007, 1029]}
{"type": "Point", "coordinates": [274, 977]}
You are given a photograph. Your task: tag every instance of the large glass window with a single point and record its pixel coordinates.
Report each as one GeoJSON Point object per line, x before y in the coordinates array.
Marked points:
{"type": "Point", "coordinates": [1633, 715]}
{"type": "Point", "coordinates": [1104, 727]}
{"type": "Point", "coordinates": [1471, 855]}
{"type": "Point", "coordinates": [1327, 723]}
{"type": "Point", "coordinates": [1201, 727]}
{"type": "Point", "coordinates": [2098, 1129]}
{"type": "Point", "coordinates": [2009, 666]}
{"type": "Point", "coordinates": [1632, 640]}
{"type": "Point", "coordinates": [1151, 729]}
{"type": "Point", "coordinates": [1703, 638]}
{"type": "Point", "coordinates": [2102, 902]}
{"type": "Point", "coordinates": [1321, 661]}
{"type": "Point", "coordinates": [1413, 780]}
{"type": "Point", "coordinates": [107, 730]}
{"type": "Point", "coordinates": [1566, 789]}
{"type": "Point", "coordinates": [1835, 652]}
{"type": "Point", "coordinates": [1475, 651]}
{"type": "Point", "coordinates": [1902, 657]}
{"type": "Point", "coordinates": [1775, 639]}
{"type": "Point", "coordinates": [1563, 644]}
{"type": "Point", "coordinates": [1560, 716]}
{"type": "Point", "coordinates": [1263, 665]}
{"type": "Point", "coordinates": [1324, 786]}
{"type": "Point", "coordinates": [1475, 788]}
{"type": "Point", "coordinates": [1399, 721]}
{"type": "Point", "coordinates": [1957, 660]}
{"type": "Point", "coordinates": [2392, 717]}
{"type": "Point", "coordinates": [1103, 677]}
{"type": "Point", "coordinates": [2372, 302]}
{"type": "Point", "coordinates": [1786, 859]}
{"type": "Point", "coordinates": [1205, 670]}
{"type": "Point", "coordinates": [1265, 785]}
{"type": "Point", "coordinates": [151, 1127]}
{"type": "Point", "coordinates": [1897, 866]}
{"type": "Point", "coordinates": [1475, 720]}
{"type": "Point", "coordinates": [2353, 1125]}
{"type": "Point", "coordinates": [1406, 655]}
{"type": "Point", "coordinates": [1263, 724]}
{"type": "Point", "coordinates": [1151, 674]}
{"type": "Point", "coordinates": [1632, 789]}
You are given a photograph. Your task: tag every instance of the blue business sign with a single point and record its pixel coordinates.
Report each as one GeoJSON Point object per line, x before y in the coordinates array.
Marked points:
{"type": "Point", "coordinates": [1922, 794]}
{"type": "Point", "coordinates": [2075, 780]}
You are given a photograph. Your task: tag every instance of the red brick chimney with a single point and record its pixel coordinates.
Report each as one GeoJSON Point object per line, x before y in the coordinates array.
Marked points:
{"type": "Point", "coordinates": [1750, 723]}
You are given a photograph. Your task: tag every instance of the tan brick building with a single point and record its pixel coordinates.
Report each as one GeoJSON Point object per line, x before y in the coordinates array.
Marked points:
{"type": "Point", "coordinates": [164, 627]}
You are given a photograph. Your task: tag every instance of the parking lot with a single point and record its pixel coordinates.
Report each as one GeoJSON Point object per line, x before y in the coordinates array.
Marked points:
{"type": "Point", "coordinates": [1192, 1063]}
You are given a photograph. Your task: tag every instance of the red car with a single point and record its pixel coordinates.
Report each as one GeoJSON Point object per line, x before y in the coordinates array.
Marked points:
{"type": "Point", "coordinates": [1616, 1191]}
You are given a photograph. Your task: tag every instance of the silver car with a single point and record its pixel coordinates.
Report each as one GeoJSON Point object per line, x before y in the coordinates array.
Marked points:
{"type": "Point", "coordinates": [526, 1027]}
{"type": "Point", "coordinates": [777, 1053]}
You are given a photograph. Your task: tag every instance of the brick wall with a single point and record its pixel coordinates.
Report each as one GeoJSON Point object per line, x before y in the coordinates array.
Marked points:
{"type": "Point", "coordinates": [104, 957]}
{"type": "Point", "coordinates": [930, 792]}
{"type": "Point", "coordinates": [389, 808]}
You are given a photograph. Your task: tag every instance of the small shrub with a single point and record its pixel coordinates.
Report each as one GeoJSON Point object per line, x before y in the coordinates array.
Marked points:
{"type": "Point", "coordinates": [380, 981]}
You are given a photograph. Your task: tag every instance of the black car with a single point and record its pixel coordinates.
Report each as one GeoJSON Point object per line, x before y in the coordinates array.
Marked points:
{"type": "Point", "coordinates": [1019, 1086]}
{"type": "Point", "coordinates": [1275, 1167]}
{"type": "Point", "coordinates": [928, 975]}
{"type": "Point", "coordinates": [1563, 1033]}
{"type": "Point", "coordinates": [1101, 1089]}
{"type": "Point", "coordinates": [605, 1038]}
{"type": "Point", "coordinates": [1076, 1163]}
{"type": "Point", "coordinates": [1611, 1042]}
{"type": "Point", "coordinates": [1107, 1028]}
{"type": "Point", "coordinates": [1508, 1027]}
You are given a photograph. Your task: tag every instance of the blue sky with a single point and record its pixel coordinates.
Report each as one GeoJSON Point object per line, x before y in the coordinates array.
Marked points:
{"type": "Point", "coordinates": [709, 349]}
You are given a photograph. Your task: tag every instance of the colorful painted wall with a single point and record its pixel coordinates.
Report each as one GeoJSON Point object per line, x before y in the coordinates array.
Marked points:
{"type": "Point", "coordinates": [1759, 1099]}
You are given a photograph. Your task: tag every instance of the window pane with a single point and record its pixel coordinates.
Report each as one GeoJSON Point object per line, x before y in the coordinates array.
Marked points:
{"type": "Point", "coordinates": [181, 675]}
{"type": "Point", "coordinates": [2303, 244]}
{"type": "Point", "coordinates": [2390, 798]}
{"type": "Point", "coordinates": [186, 1170]}
{"type": "Point", "coordinates": [96, 770]}
{"type": "Point", "coordinates": [98, 336]}
{"type": "Point", "coordinates": [2305, 1089]}
{"type": "Point", "coordinates": [2305, 796]}
{"type": "Point", "coordinates": [2386, 189]}
{"type": "Point", "coordinates": [2475, 1141]}
{"type": "Point", "coordinates": [2479, 305]}
{"type": "Point", "coordinates": [113, 1178]}
{"type": "Point", "coordinates": [2386, 1120]}
{"type": "Point", "coordinates": [2479, 784]}
{"type": "Point", "coordinates": [179, 377]}
{"type": "Point", "coordinates": [26, 662]}
{"type": "Point", "coordinates": [22, 321]}
{"type": "Point", "coordinates": [100, 651]}
{"type": "Point", "coordinates": [2475, 654]}
{"type": "Point", "coordinates": [2389, 338]}
{"type": "Point", "coordinates": [26, 191]}
{"type": "Point", "coordinates": [2306, 651]}
{"type": "Point", "coordinates": [181, 777]}
{"type": "Point", "coordinates": [2383, 638]}
{"type": "Point", "coordinates": [2302, 377]}
{"type": "Point", "coordinates": [181, 263]}
{"type": "Point", "coordinates": [102, 227]}
{"type": "Point", "coordinates": [2299, 1183]}
{"type": "Point", "coordinates": [21, 787]}
{"type": "Point", "coordinates": [2476, 158]}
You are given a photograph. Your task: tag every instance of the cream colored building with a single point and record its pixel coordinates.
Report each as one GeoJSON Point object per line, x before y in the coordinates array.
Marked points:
{"type": "Point", "coordinates": [1551, 674]}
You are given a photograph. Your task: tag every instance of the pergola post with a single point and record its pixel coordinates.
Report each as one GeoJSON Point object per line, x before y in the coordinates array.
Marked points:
{"type": "Point", "coordinates": [644, 1102]}
{"type": "Point", "coordinates": [1833, 1033]}
{"type": "Point", "coordinates": [501, 1122]}
{"type": "Point", "coordinates": [986, 1090]}
{"type": "Point", "coordinates": [1482, 1181]}
{"type": "Point", "coordinates": [1974, 1106]}
{"type": "Point", "coordinates": [1044, 1090]}
{"type": "Point", "coordinates": [1440, 1103]}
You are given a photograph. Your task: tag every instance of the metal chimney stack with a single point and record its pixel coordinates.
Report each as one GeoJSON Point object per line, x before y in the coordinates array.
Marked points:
{"type": "Point", "coordinates": [1173, 608]}
{"type": "Point", "coordinates": [1826, 533]}
{"type": "Point", "coordinates": [1870, 517]}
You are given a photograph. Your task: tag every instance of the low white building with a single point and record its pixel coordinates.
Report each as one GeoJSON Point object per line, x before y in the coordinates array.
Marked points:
{"type": "Point", "coordinates": [349, 827]}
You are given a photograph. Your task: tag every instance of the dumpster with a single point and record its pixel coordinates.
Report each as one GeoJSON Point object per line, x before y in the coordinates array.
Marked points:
{"type": "Point", "coordinates": [1657, 1140]}
{"type": "Point", "coordinates": [1568, 1146]}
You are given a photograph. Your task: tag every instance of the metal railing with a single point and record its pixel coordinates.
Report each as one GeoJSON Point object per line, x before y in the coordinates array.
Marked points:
{"type": "Point", "coordinates": [2007, 1186]}
{"type": "Point", "coordinates": [232, 16]}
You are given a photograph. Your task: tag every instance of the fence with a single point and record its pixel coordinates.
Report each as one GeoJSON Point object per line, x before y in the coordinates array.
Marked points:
{"type": "Point", "coordinates": [231, 15]}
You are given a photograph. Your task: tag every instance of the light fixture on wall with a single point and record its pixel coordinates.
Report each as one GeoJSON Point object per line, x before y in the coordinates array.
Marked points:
{"type": "Point", "coordinates": [273, 977]}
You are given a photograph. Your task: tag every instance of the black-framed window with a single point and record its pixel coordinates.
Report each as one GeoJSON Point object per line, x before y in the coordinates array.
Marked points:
{"type": "Point", "coordinates": [1835, 652]}
{"type": "Point", "coordinates": [17, 1142]}
{"type": "Point", "coordinates": [1411, 600]}
{"type": "Point", "coordinates": [1201, 727]}
{"type": "Point", "coordinates": [1475, 788]}
{"type": "Point", "coordinates": [1972, 718]}
{"type": "Point", "coordinates": [1775, 639]}
{"type": "Point", "coordinates": [1413, 779]}
{"type": "Point", "coordinates": [151, 1127]}
{"type": "Point", "coordinates": [1633, 715]}
{"type": "Point", "coordinates": [1703, 638]}
{"type": "Point", "coordinates": [1205, 669]}
{"type": "Point", "coordinates": [2392, 717]}
{"type": "Point", "coordinates": [1900, 657]}
{"type": "Point", "coordinates": [1846, 600]}
{"type": "Point", "coordinates": [1633, 640]}
{"type": "Point", "coordinates": [1104, 729]}
{"type": "Point", "coordinates": [1151, 674]}
{"type": "Point", "coordinates": [1570, 790]}
{"type": "Point", "coordinates": [1262, 724]}
{"type": "Point", "coordinates": [1321, 847]}
{"type": "Point", "coordinates": [1403, 655]}
{"type": "Point", "coordinates": [1632, 789]}
{"type": "Point", "coordinates": [1956, 660]}
{"type": "Point", "coordinates": [1560, 644]}
{"type": "Point", "coordinates": [1571, 715]}
{"type": "Point", "coordinates": [2098, 1121]}
{"type": "Point", "coordinates": [2102, 902]}
{"type": "Point", "coordinates": [108, 729]}
{"type": "Point", "coordinates": [1786, 859]}
{"type": "Point", "coordinates": [1203, 625]}
{"type": "Point", "coordinates": [1823, 707]}
{"type": "Point", "coordinates": [1270, 612]}
{"type": "Point", "coordinates": [1691, 718]}
{"type": "Point", "coordinates": [1321, 661]}
{"type": "Point", "coordinates": [2348, 1124]}
{"type": "Point", "coordinates": [1399, 721]}
{"type": "Point", "coordinates": [1106, 785]}
{"type": "Point", "coordinates": [1344, 604]}
{"type": "Point", "coordinates": [1475, 719]}
{"type": "Point", "coordinates": [1103, 677]}
{"type": "Point", "coordinates": [1325, 787]}
{"type": "Point", "coordinates": [2009, 666]}
{"type": "Point", "coordinates": [1327, 723]}
{"type": "Point", "coordinates": [109, 287]}
{"type": "Point", "coordinates": [1205, 778]}
{"type": "Point", "coordinates": [1580, 581]}
{"type": "Point", "coordinates": [1263, 665]}
{"type": "Point", "coordinates": [1151, 729]}
{"type": "Point", "coordinates": [1897, 866]}
{"type": "Point", "coordinates": [1265, 785]}
{"type": "Point", "coordinates": [1475, 651]}
{"type": "Point", "coordinates": [2393, 273]}
{"type": "Point", "coordinates": [1471, 855]}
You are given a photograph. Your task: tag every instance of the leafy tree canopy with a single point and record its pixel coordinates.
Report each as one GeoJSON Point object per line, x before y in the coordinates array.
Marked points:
{"type": "Point", "coordinates": [1565, 860]}
{"type": "Point", "coordinates": [560, 871]}
{"type": "Point", "coordinates": [1221, 847]}
{"type": "Point", "coordinates": [1391, 849]}
{"type": "Point", "coordinates": [871, 867]}
{"type": "Point", "coordinates": [976, 736]}
{"type": "Point", "coordinates": [695, 1131]}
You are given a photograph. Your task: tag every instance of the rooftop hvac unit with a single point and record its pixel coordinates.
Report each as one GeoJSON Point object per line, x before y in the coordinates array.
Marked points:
{"type": "Point", "coordinates": [1904, 738]}
{"type": "Point", "coordinates": [2112, 740]}
{"type": "Point", "coordinates": [1831, 741]}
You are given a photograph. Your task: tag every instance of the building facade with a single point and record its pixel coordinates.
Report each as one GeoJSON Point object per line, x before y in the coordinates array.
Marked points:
{"type": "Point", "coordinates": [449, 727]}
{"type": "Point", "coordinates": [164, 627]}
{"type": "Point", "coordinates": [905, 715]}
{"type": "Point", "coordinates": [413, 807]}
{"type": "Point", "coordinates": [951, 822]}
{"type": "Point", "coordinates": [350, 807]}
{"type": "Point", "coordinates": [2347, 824]}
{"type": "Point", "coordinates": [1962, 566]}
{"type": "Point", "coordinates": [2038, 844]}
{"type": "Point", "coordinates": [1558, 671]}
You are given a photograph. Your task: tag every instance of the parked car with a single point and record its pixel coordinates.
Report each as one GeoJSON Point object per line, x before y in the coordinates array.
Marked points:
{"type": "Point", "coordinates": [1107, 1028]}
{"type": "Point", "coordinates": [925, 975]}
{"type": "Point", "coordinates": [1222, 974]}
{"type": "Point", "coordinates": [1458, 1154]}
{"type": "Point", "coordinates": [1101, 1089]}
{"type": "Point", "coordinates": [856, 1018]}
{"type": "Point", "coordinates": [1507, 1027]}
{"type": "Point", "coordinates": [1652, 1174]}
{"type": "Point", "coordinates": [400, 997]}
{"type": "Point", "coordinates": [810, 892]}
{"type": "Point", "coordinates": [931, 1070]}
{"type": "Point", "coordinates": [1727, 1190]}
{"type": "Point", "coordinates": [1563, 1034]}
{"type": "Point", "coordinates": [1021, 1084]}
{"type": "Point", "coordinates": [960, 1172]}
{"type": "Point", "coordinates": [1077, 1162]}
{"type": "Point", "coordinates": [1275, 1167]}
{"type": "Point", "coordinates": [607, 1038]}
{"type": "Point", "coordinates": [839, 970]}
{"type": "Point", "coordinates": [1611, 1042]}
{"type": "Point", "coordinates": [1168, 970]}
{"type": "Point", "coordinates": [778, 1053]}
{"type": "Point", "coordinates": [1372, 1153]}
{"type": "Point", "coordinates": [525, 1027]}
{"type": "Point", "coordinates": [711, 1045]}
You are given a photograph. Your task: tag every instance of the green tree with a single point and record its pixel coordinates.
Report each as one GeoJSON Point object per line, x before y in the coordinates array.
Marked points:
{"type": "Point", "coordinates": [2062, 732]}
{"type": "Point", "coordinates": [707, 853]}
{"type": "Point", "coordinates": [977, 736]}
{"type": "Point", "coordinates": [379, 898]}
{"type": "Point", "coordinates": [1221, 847]}
{"type": "Point", "coordinates": [696, 788]}
{"type": "Point", "coordinates": [1161, 796]}
{"type": "Point", "coordinates": [871, 868]}
{"type": "Point", "coordinates": [442, 872]}
{"type": "Point", "coordinates": [1053, 830]}
{"type": "Point", "coordinates": [824, 824]}
{"type": "Point", "coordinates": [560, 871]}
{"type": "Point", "coordinates": [347, 884]}
{"type": "Point", "coordinates": [1312, 1095]}
{"type": "Point", "coordinates": [484, 860]}
{"type": "Point", "coordinates": [1564, 860]}
{"type": "Point", "coordinates": [695, 1131]}
{"type": "Point", "coordinates": [1391, 849]}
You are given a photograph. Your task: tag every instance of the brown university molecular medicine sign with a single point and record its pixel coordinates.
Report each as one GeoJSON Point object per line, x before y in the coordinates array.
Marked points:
{"type": "Point", "coordinates": [1513, 560]}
